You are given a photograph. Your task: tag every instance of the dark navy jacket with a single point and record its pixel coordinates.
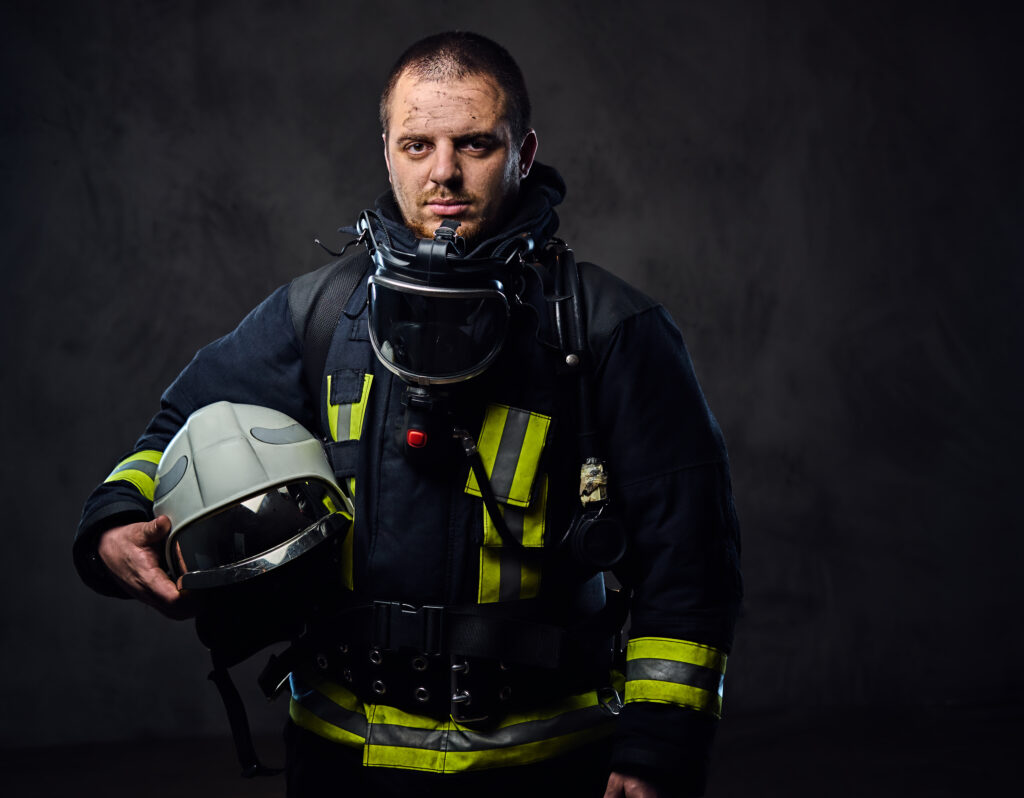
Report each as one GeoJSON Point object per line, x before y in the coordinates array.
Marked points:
{"type": "Point", "coordinates": [417, 532]}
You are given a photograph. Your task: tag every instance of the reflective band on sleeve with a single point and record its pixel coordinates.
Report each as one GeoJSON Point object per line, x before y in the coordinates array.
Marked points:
{"type": "Point", "coordinates": [667, 671]}
{"type": "Point", "coordinates": [398, 739]}
{"type": "Point", "coordinates": [139, 469]}
{"type": "Point", "coordinates": [510, 445]}
{"type": "Point", "coordinates": [346, 420]}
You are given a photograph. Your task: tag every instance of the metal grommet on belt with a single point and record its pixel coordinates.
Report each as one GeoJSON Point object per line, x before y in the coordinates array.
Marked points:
{"type": "Point", "coordinates": [420, 663]}
{"type": "Point", "coordinates": [346, 675]}
{"type": "Point", "coordinates": [321, 662]}
{"type": "Point", "coordinates": [343, 648]}
{"type": "Point", "coordinates": [422, 694]}
{"type": "Point", "coordinates": [375, 656]}
{"type": "Point", "coordinates": [505, 693]}
{"type": "Point", "coordinates": [379, 688]}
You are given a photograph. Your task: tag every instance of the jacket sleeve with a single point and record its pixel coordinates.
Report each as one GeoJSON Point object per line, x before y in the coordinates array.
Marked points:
{"type": "Point", "coordinates": [259, 362]}
{"type": "Point", "coordinates": [670, 482]}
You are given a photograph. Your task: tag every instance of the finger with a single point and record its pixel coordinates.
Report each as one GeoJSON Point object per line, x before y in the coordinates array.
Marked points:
{"type": "Point", "coordinates": [158, 591]}
{"type": "Point", "coordinates": [614, 788]}
{"type": "Point", "coordinates": [154, 532]}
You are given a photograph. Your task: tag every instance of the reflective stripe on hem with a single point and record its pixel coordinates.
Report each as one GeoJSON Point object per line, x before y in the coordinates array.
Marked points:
{"type": "Point", "coordinates": [398, 739]}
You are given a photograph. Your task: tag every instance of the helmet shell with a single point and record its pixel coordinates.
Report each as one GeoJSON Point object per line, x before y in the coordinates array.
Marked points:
{"type": "Point", "coordinates": [226, 453]}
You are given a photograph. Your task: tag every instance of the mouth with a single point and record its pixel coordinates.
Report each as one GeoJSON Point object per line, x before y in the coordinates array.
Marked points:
{"type": "Point", "coordinates": [448, 207]}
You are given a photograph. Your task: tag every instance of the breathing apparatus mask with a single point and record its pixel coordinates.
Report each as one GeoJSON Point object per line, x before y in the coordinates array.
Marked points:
{"type": "Point", "coordinates": [437, 319]}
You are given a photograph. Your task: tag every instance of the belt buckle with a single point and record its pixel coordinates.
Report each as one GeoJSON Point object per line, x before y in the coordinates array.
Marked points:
{"type": "Point", "coordinates": [397, 625]}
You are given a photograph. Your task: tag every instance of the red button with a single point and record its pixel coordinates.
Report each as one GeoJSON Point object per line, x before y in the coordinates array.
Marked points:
{"type": "Point", "coordinates": [416, 438]}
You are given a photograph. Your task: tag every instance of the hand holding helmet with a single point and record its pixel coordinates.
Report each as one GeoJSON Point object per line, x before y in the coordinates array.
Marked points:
{"type": "Point", "coordinates": [133, 553]}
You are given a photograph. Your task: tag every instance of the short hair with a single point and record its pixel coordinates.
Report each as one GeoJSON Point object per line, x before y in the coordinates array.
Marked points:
{"type": "Point", "coordinates": [453, 55]}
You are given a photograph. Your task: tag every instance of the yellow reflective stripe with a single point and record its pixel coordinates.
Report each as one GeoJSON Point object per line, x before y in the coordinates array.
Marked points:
{"type": "Point", "coordinates": [148, 455]}
{"type": "Point", "coordinates": [346, 424]}
{"type": "Point", "coordinates": [358, 413]}
{"type": "Point", "coordinates": [676, 651]}
{"type": "Point", "coordinates": [307, 720]}
{"type": "Point", "coordinates": [663, 670]}
{"type": "Point", "coordinates": [529, 457]}
{"type": "Point", "coordinates": [399, 740]}
{"type": "Point", "coordinates": [510, 445]}
{"type": "Point", "coordinates": [487, 442]}
{"type": "Point", "coordinates": [682, 695]}
{"type": "Point", "coordinates": [526, 525]}
{"type": "Point", "coordinates": [489, 586]}
{"type": "Point", "coordinates": [346, 420]}
{"type": "Point", "coordinates": [139, 470]}
{"type": "Point", "coordinates": [525, 753]}
{"type": "Point", "coordinates": [508, 573]}
{"type": "Point", "coordinates": [461, 761]}
{"type": "Point", "coordinates": [394, 738]}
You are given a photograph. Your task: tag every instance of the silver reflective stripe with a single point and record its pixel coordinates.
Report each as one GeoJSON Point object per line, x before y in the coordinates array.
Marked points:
{"type": "Point", "coordinates": [146, 467]}
{"type": "Point", "coordinates": [665, 670]}
{"type": "Point", "coordinates": [407, 737]}
{"type": "Point", "coordinates": [510, 579]}
{"type": "Point", "coordinates": [514, 519]}
{"type": "Point", "coordinates": [509, 449]}
{"type": "Point", "coordinates": [335, 714]}
{"type": "Point", "coordinates": [344, 424]}
{"type": "Point", "coordinates": [465, 740]}
{"type": "Point", "coordinates": [530, 731]}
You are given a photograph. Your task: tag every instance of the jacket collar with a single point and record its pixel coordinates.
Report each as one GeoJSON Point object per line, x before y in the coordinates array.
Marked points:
{"type": "Point", "coordinates": [540, 192]}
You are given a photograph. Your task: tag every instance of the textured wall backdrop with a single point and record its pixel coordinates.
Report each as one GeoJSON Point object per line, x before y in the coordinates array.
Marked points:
{"type": "Point", "coordinates": [829, 202]}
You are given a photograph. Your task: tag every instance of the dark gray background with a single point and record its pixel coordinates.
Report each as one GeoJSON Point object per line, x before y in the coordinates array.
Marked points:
{"type": "Point", "coordinates": [827, 197]}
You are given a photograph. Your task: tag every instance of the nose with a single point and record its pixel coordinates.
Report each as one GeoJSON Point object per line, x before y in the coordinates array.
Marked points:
{"type": "Point", "coordinates": [444, 167]}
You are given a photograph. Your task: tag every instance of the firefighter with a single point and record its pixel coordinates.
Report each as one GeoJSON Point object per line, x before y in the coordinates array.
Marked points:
{"type": "Point", "coordinates": [503, 425]}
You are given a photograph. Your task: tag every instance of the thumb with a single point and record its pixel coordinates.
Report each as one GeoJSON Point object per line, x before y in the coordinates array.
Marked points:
{"type": "Point", "coordinates": [155, 531]}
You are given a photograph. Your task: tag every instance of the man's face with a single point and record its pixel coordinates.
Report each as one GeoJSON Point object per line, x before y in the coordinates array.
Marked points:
{"type": "Point", "coordinates": [449, 154]}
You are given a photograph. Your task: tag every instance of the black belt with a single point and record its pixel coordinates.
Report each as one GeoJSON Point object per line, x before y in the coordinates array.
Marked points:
{"type": "Point", "coordinates": [473, 662]}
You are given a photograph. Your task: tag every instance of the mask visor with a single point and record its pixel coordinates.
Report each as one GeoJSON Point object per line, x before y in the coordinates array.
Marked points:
{"type": "Point", "coordinates": [430, 335]}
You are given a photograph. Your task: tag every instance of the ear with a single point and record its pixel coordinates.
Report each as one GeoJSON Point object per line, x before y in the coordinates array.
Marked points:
{"type": "Point", "coordinates": [387, 162]}
{"type": "Point", "coordinates": [527, 152]}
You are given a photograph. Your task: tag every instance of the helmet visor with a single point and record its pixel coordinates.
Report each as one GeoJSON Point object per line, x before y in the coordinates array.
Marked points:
{"type": "Point", "coordinates": [432, 334]}
{"type": "Point", "coordinates": [256, 535]}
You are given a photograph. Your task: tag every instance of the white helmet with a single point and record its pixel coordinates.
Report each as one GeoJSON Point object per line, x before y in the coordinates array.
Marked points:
{"type": "Point", "coordinates": [247, 490]}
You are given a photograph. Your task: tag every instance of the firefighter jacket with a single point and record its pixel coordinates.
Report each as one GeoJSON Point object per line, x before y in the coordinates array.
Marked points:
{"type": "Point", "coordinates": [421, 535]}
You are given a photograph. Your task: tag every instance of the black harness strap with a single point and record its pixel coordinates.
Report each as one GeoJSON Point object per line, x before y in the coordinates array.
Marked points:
{"type": "Point", "coordinates": [317, 307]}
{"type": "Point", "coordinates": [239, 721]}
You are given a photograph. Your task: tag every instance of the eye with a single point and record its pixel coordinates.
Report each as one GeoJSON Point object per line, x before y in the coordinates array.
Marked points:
{"type": "Point", "coordinates": [416, 147]}
{"type": "Point", "coordinates": [477, 145]}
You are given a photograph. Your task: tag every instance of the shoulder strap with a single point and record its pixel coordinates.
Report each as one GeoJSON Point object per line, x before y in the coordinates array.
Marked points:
{"type": "Point", "coordinates": [316, 302]}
